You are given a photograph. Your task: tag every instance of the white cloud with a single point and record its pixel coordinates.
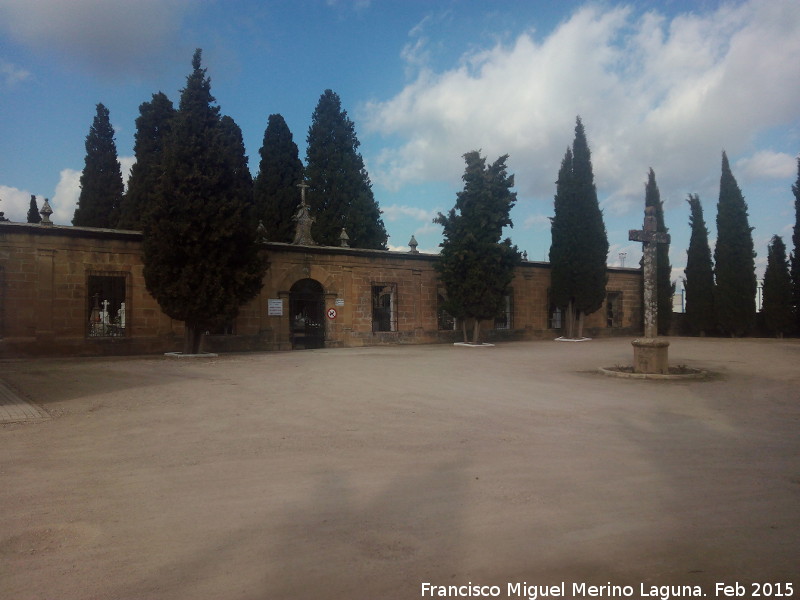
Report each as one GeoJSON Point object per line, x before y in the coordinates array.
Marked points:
{"type": "Point", "coordinates": [767, 164]}
{"type": "Point", "coordinates": [108, 36]}
{"type": "Point", "coordinates": [540, 222]}
{"type": "Point", "coordinates": [11, 75]}
{"type": "Point", "coordinates": [68, 191]}
{"type": "Point", "coordinates": [15, 203]}
{"type": "Point", "coordinates": [652, 92]}
{"type": "Point", "coordinates": [394, 212]}
{"type": "Point", "coordinates": [65, 199]}
{"type": "Point", "coordinates": [125, 164]}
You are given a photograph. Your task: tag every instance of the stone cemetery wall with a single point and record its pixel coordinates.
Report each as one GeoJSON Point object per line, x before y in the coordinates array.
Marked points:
{"type": "Point", "coordinates": [44, 301]}
{"type": "Point", "coordinates": [80, 291]}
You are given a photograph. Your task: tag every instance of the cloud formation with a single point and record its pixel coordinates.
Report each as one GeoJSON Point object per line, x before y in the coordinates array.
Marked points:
{"type": "Point", "coordinates": [16, 202]}
{"type": "Point", "coordinates": [11, 74]}
{"type": "Point", "coordinates": [107, 37]}
{"type": "Point", "coordinates": [652, 92]}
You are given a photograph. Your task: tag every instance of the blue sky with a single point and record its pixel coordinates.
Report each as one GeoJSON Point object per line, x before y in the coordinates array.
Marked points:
{"type": "Point", "coordinates": [667, 85]}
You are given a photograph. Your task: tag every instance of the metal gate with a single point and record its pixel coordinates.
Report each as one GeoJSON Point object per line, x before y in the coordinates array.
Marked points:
{"type": "Point", "coordinates": [307, 314]}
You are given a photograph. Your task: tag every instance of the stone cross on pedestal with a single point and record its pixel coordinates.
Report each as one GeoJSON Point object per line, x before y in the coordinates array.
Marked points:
{"type": "Point", "coordinates": [304, 220]}
{"type": "Point", "coordinates": [650, 353]}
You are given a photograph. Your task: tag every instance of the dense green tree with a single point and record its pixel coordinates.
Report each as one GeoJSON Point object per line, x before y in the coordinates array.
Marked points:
{"type": "Point", "coordinates": [665, 286]}
{"type": "Point", "coordinates": [699, 274]}
{"type": "Point", "coordinates": [33, 212]}
{"type": "Point", "coordinates": [340, 193]}
{"type": "Point", "coordinates": [101, 180]}
{"type": "Point", "coordinates": [579, 247]}
{"type": "Point", "coordinates": [777, 298]}
{"type": "Point", "coordinates": [276, 193]}
{"type": "Point", "coordinates": [233, 143]}
{"type": "Point", "coordinates": [152, 127]}
{"type": "Point", "coordinates": [734, 259]}
{"type": "Point", "coordinates": [201, 260]}
{"type": "Point", "coordinates": [475, 267]}
{"type": "Point", "coordinates": [795, 262]}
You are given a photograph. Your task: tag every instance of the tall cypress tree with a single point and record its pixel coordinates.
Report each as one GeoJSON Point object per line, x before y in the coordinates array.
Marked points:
{"type": "Point", "coordinates": [795, 262]}
{"type": "Point", "coordinates": [340, 193]}
{"type": "Point", "coordinates": [152, 127]}
{"type": "Point", "coordinates": [777, 299]}
{"type": "Point", "coordinates": [233, 143]}
{"type": "Point", "coordinates": [665, 286]}
{"type": "Point", "coordinates": [201, 261]}
{"type": "Point", "coordinates": [101, 181]}
{"type": "Point", "coordinates": [276, 193]}
{"type": "Point", "coordinates": [579, 247]}
{"type": "Point", "coordinates": [475, 267]}
{"type": "Point", "coordinates": [699, 280]}
{"type": "Point", "coordinates": [734, 259]}
{"type": "Point", "coordinates": [33, 211]}
{"type": "Point", "coordinates": [563, 253]}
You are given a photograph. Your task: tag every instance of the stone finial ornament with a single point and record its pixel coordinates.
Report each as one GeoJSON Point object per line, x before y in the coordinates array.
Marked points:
{"type": "Point", "coordinates": [46, 211]}
{"type": "Point", "coordinates": [412, 243]}
{"type": "Point", "coordinates": [344, 239]}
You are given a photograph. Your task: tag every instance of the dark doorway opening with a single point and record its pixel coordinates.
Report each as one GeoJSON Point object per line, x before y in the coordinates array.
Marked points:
{"type": "Point", "coordinates": [307, 315]}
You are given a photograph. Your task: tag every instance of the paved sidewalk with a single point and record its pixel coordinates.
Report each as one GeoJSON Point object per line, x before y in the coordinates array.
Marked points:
{"type": "Point", "coordinates": [14, 409]}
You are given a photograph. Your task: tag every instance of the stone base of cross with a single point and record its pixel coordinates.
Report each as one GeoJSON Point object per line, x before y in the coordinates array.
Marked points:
{"type": "Point", "coordinates": [650, 354]}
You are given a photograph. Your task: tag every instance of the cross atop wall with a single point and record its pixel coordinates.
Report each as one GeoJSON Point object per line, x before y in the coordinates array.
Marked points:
{"type": "Point", "coordinates": [303, 219]}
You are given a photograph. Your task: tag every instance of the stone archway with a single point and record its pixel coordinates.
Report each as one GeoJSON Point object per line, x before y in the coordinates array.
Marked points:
{"type": "Point", "coordinates": [307, 314]}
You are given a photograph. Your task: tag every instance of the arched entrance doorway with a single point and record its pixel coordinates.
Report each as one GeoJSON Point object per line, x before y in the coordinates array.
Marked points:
{"type": "Point", "coordinates": [307, 314]}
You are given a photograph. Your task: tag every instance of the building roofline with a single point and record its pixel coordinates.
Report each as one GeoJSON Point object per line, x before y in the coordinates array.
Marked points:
{"type": "Point", "coordinates": [69, 231]}
{"type": "Point", "coordinates": [131, 235]}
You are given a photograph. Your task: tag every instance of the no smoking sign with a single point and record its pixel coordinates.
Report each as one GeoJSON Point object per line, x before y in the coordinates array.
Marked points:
{"type": "Point", "coordinates": [331, 313]}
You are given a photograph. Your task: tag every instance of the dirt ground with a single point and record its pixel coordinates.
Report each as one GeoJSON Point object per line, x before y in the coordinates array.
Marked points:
{"type": "Point", "coordinates": [362, 473]}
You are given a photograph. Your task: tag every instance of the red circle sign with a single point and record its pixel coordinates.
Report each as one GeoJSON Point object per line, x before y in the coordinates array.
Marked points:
{"type": "Point", "coordinates": [331, 313]}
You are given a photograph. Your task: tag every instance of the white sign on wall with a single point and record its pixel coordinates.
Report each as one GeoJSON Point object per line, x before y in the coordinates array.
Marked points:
{"type": "Point", "coordinates": [275, 307]}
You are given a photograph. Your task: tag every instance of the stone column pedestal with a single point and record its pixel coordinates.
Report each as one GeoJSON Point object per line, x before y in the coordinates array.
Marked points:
{"type": "Point", "coordinates": [650, 356]}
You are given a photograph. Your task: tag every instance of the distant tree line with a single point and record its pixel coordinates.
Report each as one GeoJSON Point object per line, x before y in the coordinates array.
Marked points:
{"type": "Point", "coordinates": [721, 295]}
{"type": "Point", "coordinates": [191, 193]}
{"type": "Point", "coordinates": [190, 182]}
{"type": "Point", "coordinates": [340, 192]}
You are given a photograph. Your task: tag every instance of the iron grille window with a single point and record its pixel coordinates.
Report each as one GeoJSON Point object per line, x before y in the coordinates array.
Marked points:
{"type": "Point", "coordinates": [223, 328]}
{"type": "Point", "coordinates": [384, 307]}
{"type": "Point", "coordinates": [555, 315]}
{"type": "Point", "coordinates": [614, 309]}
{"type": "Point", "coordinates": [107, 305]}
{"type": "Point", "coordinates": [445, 319]}
{"type": "Point", "coordinates": [503, 320]}
{"type": "Point", "coordinates": [556, 318]}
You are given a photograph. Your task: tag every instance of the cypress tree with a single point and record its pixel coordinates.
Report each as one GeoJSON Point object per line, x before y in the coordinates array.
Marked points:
{"type": "Point", "coordinates": [795, 262]}
{"type": "Point", "coordinates": [276, 193]}
{"type": "Point", "coordinates": [734, 259]}
{"type": "Point", "coordinates": [579, 247]}
{"type": "Point", "coordinates": [340, 192]}
{"type": "Point", "coordinates": [152, 127]}
{"type": "Point", "coordinates": [563, 259]}
{"type": "Point", "coordinates": [699, 280]}
{"type": "Point", "coordinates": [665, 286]}
{"type": "Point", "coordinates": [201, 261]}
{"type": "Point", "coordinates": [233, 148]}
{"type": "Point", "coordinates": [101, 181]}
{"type": "Point", "coordinates": [475, 267]}
{"type": "Point", "coordinates": [777, 299]}
{"type": "Point", "coordinates": [33, 212]}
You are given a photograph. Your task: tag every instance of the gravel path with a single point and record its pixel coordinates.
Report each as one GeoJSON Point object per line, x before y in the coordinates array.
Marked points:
{"type": "Point", "coordinates": [362, 473]}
